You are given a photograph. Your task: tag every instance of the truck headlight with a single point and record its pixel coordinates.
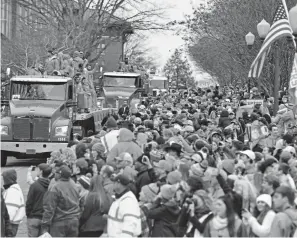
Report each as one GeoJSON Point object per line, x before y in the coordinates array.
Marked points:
{"type": "Point", "coordinates": [4, 130]}
{"type": "Point", "coordinates": [61, 131]}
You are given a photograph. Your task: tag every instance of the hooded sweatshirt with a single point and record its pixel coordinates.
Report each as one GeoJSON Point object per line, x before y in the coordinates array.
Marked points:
{"type": "Point", "coordinates": [34, 204]}
{"type": "Point", "coordinates": [125, 144]}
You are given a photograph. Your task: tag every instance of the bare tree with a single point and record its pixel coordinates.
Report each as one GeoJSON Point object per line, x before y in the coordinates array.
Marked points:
{"type": "Point", "coordinates": [216, 40]}
{"type": "Point", "coordinates": [139, 53]}
{"type": "Point", "coordinates": [86, 24]}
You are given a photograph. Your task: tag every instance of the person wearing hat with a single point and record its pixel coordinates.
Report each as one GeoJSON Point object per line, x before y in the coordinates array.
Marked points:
{"type": "Point", "coordinates": [62, 206]}
{"type": "Point", "coordinates": [125, 144]}
{"type": "Point", "coordinates": [14, 199]}
{"type": "Point", "coordinates": [165, 213]}
{"type": "Point", "coordinates": [83, 184]}
{"type": "Point", "coordinates": [248, 157]}
{"type": "Point", "coordinates": [146, 173]}
{"type": "Point", "coordinates": [260, 226]}
{"type": "Point", "coordinates": [34, 204]}
{"type": "Point", "coordinates": [124, 213]}
{"type": "Point", "coordinates": [124, 165]}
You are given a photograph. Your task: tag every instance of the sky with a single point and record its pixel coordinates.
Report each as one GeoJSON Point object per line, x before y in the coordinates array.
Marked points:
{"type": "Point", "coordinates": [166, 42]}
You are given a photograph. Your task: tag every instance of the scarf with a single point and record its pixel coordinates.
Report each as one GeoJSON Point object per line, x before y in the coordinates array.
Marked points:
{"type": "Point", "coordinates": [219, 223]}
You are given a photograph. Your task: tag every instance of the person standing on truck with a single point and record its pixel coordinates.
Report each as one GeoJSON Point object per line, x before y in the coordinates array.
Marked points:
{"type": "Point", "coordinates": [89, 74]}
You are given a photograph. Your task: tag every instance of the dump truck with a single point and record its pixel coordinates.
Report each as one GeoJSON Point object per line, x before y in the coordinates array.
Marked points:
{"type": "Point", "coordinates": [41, 114]}
{"type": "Point", "coordinates": [120, 87]}
{"type": "Point", "coordinates": [158, 84]}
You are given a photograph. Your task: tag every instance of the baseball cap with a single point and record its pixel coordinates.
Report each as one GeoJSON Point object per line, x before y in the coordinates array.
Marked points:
{"type": "Point", "coordinates": [44, 166]}
{"type": "Point", "coordinates": [249, 154]}
{"type": "Point", "coordinates": [64, 171]}
{"type": "Point", "coordinates": [122, 179]}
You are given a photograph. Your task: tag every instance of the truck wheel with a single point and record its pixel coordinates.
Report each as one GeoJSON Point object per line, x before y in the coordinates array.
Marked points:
{"type": "Point", "coordinates": [3, 158]}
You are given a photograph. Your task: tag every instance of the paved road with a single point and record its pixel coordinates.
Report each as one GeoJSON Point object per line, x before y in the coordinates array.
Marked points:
{"type": "Point", "coordinates": [21, 166]}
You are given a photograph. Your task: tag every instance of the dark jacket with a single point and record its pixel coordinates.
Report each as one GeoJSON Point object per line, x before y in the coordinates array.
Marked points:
{"type": "Point", "coordinates": [224, 119]}
{"type": "Point", "coordinates": [5, 224]}
{"type": "Point", "coordinates": [124, 111]}
{"type": "Point", "coordinates": [235, 198]}
{"type": "Point", "coordinates": [34, 204]}
{"type": "Point", "coordinates": [61, 203]}
{"type": "Point", "coordinates": [144, 178]}
{"type": "Point", "coordinates": [165, 218]}
{"type": "Point", "coordinates": [92, 217]}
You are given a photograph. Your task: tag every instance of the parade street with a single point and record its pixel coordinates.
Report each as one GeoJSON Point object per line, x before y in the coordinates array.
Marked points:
{"type": "Point", "coordinates": [148, 118]}
{"type": "Point", "coordinates": [21, 166]}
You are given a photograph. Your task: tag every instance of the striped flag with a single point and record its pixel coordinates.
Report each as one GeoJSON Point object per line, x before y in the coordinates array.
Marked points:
{"type": "Point", "coordinates": [280, 28]}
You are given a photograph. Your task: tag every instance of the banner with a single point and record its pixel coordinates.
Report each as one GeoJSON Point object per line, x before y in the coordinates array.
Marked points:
{"type": "Point", "coordinates": [293, 82]}
{"type": "Point", "coordinates": [254, 101]}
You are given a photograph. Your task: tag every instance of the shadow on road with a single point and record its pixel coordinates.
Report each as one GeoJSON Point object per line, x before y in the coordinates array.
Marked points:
{"type": "Point", "coordinates": [13, 162]}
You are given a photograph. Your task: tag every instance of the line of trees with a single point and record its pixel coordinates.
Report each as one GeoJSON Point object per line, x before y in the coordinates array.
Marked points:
{"type": "Point", "coordinates": [69, 25]}
{"type": "Point", "coordinates": [216, 40]}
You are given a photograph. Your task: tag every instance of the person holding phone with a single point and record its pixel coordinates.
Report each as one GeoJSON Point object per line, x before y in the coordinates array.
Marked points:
{"type": "Point", "coordinates": [260, 224]}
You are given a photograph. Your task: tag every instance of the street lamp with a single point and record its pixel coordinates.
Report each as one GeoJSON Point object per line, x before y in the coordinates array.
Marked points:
{"type": "Point", "coordinates": [176, 69]}
{"type": "Point", "coordinates": [262, 28]}
{"type": "Point", "coordinates": [293, 21]}
{"type": "Point", "coordinates": [250, 39]}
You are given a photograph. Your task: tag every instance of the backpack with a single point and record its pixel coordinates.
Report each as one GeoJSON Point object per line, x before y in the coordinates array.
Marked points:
{"type": "Point", "coordinates": [293, 227]}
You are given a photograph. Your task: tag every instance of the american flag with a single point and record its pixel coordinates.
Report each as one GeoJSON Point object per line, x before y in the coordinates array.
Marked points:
{"type": "Point", "coordinates": [280, 28]}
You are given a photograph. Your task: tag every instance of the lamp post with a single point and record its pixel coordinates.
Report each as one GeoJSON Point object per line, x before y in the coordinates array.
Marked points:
{"type": "Point", "coordinates": [293, 21]}
{"type": "Point", "coordinates": [177, 72]}
{"type": "Point", "coordinates": [263, 28]}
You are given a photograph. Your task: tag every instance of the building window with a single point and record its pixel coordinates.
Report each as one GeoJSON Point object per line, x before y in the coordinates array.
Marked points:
{"type": "Point", "coordinates": [5, 17]}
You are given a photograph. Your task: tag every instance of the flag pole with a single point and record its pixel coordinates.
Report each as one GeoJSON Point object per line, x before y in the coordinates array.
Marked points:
{"type": "Point", "coordinates": [276, 80]}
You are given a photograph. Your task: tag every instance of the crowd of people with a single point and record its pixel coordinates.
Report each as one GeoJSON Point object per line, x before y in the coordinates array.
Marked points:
{"type": "Point", "coordinates": [192, 164]}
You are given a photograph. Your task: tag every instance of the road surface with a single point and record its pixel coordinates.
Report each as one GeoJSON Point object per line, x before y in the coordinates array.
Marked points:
{"type": "Point", "coordinates": [21, 166]}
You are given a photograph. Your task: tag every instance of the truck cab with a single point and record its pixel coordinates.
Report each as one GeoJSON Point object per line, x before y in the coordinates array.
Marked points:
{"type": "Point", "coordinates": [120, 87]}
{"type": "Point", "coordinates": [157, 85]}
{"type": "Point", "coordinates": [40, 115]}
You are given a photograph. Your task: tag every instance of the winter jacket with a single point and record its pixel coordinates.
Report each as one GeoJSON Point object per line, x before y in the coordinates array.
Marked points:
{"type": "Point", "coordinates": [224, 120]}
{"type": "Point", "coordinates": [283, 222]}
{"type": "Point", "coordinates": [92, 217]}
{"type": "Point", "coordinates": [124, 217]}
{"type": "Point", "coordinates": [34, 204]}
{"type": "Point", "coordinates": [109, 141]}
{"type": "Point", "coordinates": [144, 178]}
{"type": "Point", "coordinates": [108, 186]}
{"type": "Point", "coordinates": [5, 224]}
{"type": "Point", "coordinates": [15, 203]}
{"type": "Point", "coordinates": [61, 203]}
{"type": "Point", "coordinates": [125, 144]}
{"type": "Point", "coordinates": [217, 227]}
{"type": "Point", "coordinates": [262, 230]}
{"type": "Point", "coordinates": [51, 65]}
{"type": "Point", "coordinates": [236, 198]}
{"type": "Point", "coordinates": [165, 220]}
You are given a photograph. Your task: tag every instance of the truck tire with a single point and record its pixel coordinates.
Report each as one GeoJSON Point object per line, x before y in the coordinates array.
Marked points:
{"type": "Point", "coordinates": [3, 158]}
